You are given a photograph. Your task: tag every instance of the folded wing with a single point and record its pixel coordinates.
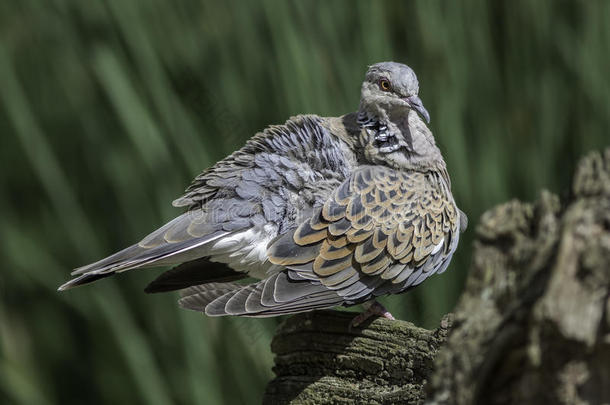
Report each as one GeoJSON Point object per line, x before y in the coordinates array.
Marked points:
{"type": "Point", "coordinates": [381, 232]}
{"type": "Point", "coordinates": [237, 207]}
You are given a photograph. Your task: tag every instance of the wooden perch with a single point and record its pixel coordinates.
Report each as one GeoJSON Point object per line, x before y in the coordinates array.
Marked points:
{"type": "Point", "coordinates": [532, 326]}
{"type": "Point", "coordinates": [319, 360]}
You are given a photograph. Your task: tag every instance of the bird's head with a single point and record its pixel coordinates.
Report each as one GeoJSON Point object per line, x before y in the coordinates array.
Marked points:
{"type": "Point", "coordinates": [392, 116]}
{"type": "Point", "coordinates": [393, 88]}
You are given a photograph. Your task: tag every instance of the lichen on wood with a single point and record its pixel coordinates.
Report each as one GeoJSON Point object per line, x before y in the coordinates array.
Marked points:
{"type": "Point", "coordinates": [320, 359]}
{"type": "Point", "coordinates": [533, 325]}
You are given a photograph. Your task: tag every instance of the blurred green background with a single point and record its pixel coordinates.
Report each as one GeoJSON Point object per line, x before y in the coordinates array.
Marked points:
{"type": "Point", "coordinates": [109, 108]}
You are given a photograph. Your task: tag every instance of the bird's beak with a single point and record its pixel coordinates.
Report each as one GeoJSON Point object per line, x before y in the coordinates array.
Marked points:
{"type": "Point", "coordinates": [416, 104]}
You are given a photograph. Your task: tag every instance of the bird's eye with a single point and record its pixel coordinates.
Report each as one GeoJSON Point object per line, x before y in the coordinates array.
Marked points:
{"type": "Point", "coordinates": [384, 85]}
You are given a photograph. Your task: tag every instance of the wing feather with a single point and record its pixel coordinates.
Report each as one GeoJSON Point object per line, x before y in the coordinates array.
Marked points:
{"type": "Point", "coordinates": [381, 224]}
{"type": "Point", "coordinates": [381, 231]}
{"type": "Point", "coordinates": [236, 207]}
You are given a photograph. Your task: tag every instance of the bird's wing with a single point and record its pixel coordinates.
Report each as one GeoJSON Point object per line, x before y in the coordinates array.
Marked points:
{"type": "Point", "coordinates": [239, 205]}
{"type": "Point", "coordinates": [381, 232]}
{"type": "Point", "coordinates": [293, 156]}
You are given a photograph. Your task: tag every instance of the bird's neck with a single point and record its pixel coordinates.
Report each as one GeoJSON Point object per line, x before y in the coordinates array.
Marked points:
{"type": "Point", "coordinates": [383, 121]}
{"type": "Point", "coordinates": [415, 149]}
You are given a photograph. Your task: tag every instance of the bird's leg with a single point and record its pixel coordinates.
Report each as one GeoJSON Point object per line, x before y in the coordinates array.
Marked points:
{"type": "Point", "coordinates": [371, 308]}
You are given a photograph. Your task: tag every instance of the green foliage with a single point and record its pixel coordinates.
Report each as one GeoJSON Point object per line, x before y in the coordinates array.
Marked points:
{"type": "Point", "coordinates": [109, 108]}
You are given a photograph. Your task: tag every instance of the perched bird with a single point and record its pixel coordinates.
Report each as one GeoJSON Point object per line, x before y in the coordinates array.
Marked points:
{"type": "Point", "coordinates": [323, 211]}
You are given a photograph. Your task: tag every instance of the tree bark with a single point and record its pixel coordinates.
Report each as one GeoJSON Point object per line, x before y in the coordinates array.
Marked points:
{"type": "Point", "coordinates": [532, 326]}
{"type": "Point", "coordinates": [319, 360]}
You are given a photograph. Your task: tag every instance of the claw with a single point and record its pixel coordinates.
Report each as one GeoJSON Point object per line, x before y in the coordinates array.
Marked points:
{"type": "Point", "coordinates": [375, 309]}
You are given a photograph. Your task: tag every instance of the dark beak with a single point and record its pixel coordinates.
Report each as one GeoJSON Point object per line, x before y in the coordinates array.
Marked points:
{"type": "Point", "coordinates": [416, 104]}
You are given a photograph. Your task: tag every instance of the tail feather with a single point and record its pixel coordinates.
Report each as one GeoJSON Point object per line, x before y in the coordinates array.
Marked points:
{"type": "Point", "coordinates": [137, 256]}
{"type": "Point", "coordinates": [193, 273]}
{"type": "Point", "coordinates": [84, 279]}
{"type": "Point", "coordinates": [113, 260]}
{"type": "Point", "coordinates": [255, 300]}
{"type": "Point", "coordinates": [198, 297]}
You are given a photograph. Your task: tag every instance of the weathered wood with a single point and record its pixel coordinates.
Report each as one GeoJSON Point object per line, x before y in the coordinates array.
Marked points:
{"type": "Point", "coordinates": [319, 360]}
{"type": "Point", "coordinates": [532, 326]}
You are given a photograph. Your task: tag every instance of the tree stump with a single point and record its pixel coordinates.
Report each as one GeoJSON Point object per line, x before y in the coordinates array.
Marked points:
{"type": "Point", "coordinates": [532, 326]}
{"type": "Point", "coordinates": [319, 360]}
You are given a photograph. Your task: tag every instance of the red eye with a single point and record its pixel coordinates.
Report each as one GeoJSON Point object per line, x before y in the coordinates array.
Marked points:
{"type": "Point", "coordinates": [384, 85]}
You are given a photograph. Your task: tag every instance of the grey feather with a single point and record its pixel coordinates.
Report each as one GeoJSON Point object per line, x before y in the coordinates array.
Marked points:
{"type": "Point", "coordinates": [198, 297]}
{"type": "Point", "coordinates": [254, 301]}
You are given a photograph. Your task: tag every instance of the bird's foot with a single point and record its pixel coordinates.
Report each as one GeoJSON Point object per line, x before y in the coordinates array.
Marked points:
{"type": "Point", "coordinates": [375, 309]}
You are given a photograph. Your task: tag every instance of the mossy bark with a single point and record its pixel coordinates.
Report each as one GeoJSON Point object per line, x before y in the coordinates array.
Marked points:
{"type": "Point", "coordinates": [319, 359]}
{"type": "Point", "coordinates": [532, 326]}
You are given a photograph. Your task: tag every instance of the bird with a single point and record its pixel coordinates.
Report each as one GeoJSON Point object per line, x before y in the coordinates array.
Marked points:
{"type": "Point", "coordinates": [316, 213]}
